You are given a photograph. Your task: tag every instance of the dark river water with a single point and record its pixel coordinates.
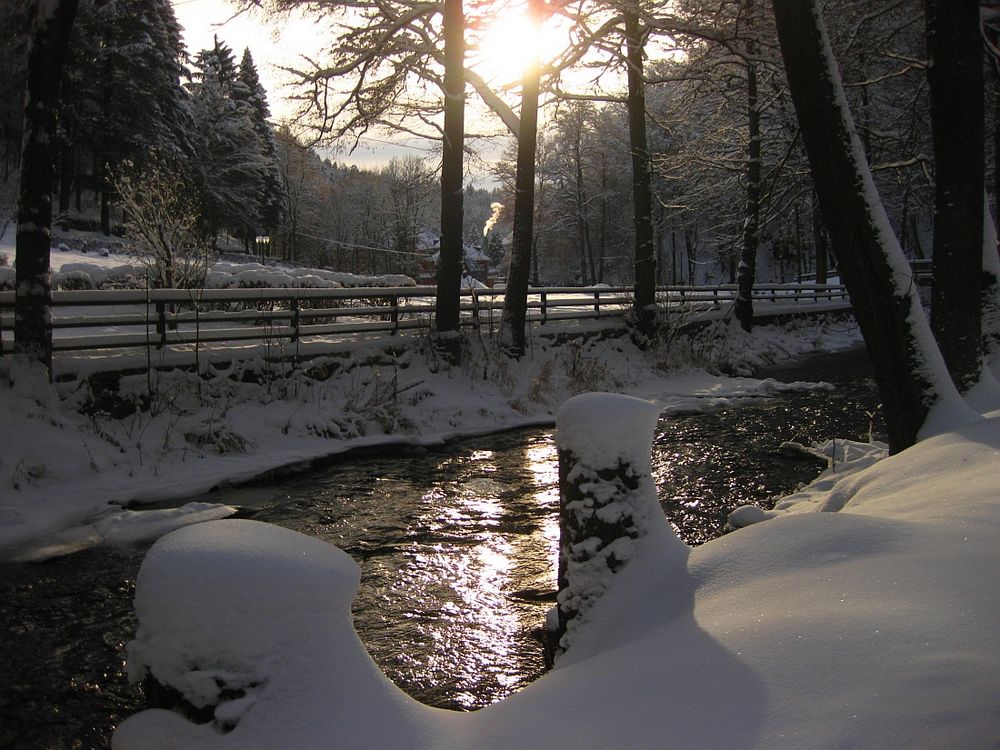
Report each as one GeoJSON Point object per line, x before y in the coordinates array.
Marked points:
{"type": "Point", "coordinates": [457, 549]}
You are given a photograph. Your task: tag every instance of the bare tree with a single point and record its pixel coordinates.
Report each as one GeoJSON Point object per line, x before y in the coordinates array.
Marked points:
{"type": "Point", "coordinates": [163, 225]}
{"type": "Point", "coordinates": [955, 74]}
{"type": "Point", "coordinates": [909, 369]}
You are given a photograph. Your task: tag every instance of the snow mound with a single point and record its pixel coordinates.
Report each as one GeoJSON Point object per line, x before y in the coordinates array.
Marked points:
{"type": "Point", "coordinates": [250, 624]}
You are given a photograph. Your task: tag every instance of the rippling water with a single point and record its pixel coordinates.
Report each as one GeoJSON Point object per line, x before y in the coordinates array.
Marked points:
{"type": "Point", "coordinates": [457, 549]}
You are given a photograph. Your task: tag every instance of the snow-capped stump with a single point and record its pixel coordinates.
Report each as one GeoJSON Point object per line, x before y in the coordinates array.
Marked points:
{"type": "Point", "coordinates": [608, 505]}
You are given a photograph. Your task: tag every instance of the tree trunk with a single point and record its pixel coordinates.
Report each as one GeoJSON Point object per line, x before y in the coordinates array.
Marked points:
{"type": "Point", "coordinates": [673, 257]}
{"type": "Point", "coordinates": [690, 251]}
{"type": "Point", "coordinates": [106, 204]}
{"type": "Point", "coordinates": [996, 139]}
{"type": "Point", "coordinates": [819, 238]}
{"type": "Point", "coordinates": [33, 298]}
{"type": "Point", "coordinates": [65, 178]}
{"type": "Point", "coordinates": [515, 300]}
{"type": "Point", "coordinates": [587, 273]}
{"type": "Point", "coordinates": [743, 307]}
{"type": "Point", "coordinates": [642, 203]}
{"type": "Point", "coordinates": [449, 272]}
{"type": "Point", "coordinates": [908, 367]}
{"type": "Point", "coordinates": [955, 77]}
{"type": "Point", "coordinates": [990, 316]}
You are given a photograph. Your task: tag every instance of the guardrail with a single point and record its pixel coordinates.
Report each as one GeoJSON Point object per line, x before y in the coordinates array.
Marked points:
{"type": "Point", "coordinates": [159, 318]}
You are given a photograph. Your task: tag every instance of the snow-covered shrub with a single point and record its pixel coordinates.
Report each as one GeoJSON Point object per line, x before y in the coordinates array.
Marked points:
{"type": "Point", "coordinates": [163, 224]}
{"type": "Point", "coordinates": [72, 280]}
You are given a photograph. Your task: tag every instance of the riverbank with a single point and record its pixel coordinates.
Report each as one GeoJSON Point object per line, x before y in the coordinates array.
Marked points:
{"type": "Point", "coordinates": [860, 614]}
{"type": "Point", "coordinates": [72, 476]}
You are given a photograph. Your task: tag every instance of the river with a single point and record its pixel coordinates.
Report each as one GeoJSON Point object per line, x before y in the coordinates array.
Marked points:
{"type": "Point", "coordinates": [457, 549]}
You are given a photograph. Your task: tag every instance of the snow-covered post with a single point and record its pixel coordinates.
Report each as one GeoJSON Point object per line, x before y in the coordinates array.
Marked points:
{"type": "Point", "coordinates": [607, 498]}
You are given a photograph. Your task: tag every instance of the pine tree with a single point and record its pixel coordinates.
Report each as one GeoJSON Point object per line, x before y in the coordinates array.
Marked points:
{"type": "Point", "coordinates": [229, 164]}
{"type": "Point", "coordinates": [272, 199]}
{"type": "Point", "coordinates": [123, 92]}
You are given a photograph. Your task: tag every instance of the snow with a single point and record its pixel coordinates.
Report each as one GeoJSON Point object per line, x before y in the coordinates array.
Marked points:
{"type": "Point", "coordinates": [860, 613]}
{"type": "Point", "coordinates": [869, 627]}
{"type": "Point", "coordinates": [66, 463]}
{"type": "Point", "coordinates": [605, 440]}
{"type": "Point", "coordinates": [603, 430]}
{"type": "Point", "coordinates": [76, 270]}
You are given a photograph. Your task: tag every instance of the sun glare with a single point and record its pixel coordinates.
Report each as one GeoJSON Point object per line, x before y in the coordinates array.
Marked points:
{"type": "Point", "coordinates": [509, 44]}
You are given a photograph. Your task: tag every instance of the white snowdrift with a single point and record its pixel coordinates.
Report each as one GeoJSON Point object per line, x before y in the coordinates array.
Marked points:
{"type": "Point", "coordinates": [871, 627]}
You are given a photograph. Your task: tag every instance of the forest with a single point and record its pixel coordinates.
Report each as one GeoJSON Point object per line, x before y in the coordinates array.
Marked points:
{"type": "Point", "coordinates": [132, 93]}
{"type": "Point", "coordinates": [736, 141]}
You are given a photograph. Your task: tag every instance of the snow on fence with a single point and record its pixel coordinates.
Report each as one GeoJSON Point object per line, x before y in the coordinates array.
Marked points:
{"type": "Point", "coordinates": [93, 320]}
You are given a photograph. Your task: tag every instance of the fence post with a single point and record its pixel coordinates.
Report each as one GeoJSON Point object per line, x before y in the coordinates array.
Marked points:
{"type": "Point", "coordinates": [394, 315]}
{"type": "Point", "coordinates": [161, 323]}
{"type": "Point", "coordinates": [597, 302]}
{"type": "Point", "coordinates": [545, 310]}
{"type": "Point", "coordinates": [295, 319]}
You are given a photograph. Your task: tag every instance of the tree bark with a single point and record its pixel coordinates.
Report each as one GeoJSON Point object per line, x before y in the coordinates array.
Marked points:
{"type": "Point", "coordinates": [747, 269]}
{"type": "Point", "coordinates": [515, 301]}
{"type": "Point", "coordinates": [642, 202]}
{"type": "Point", "coordinates": [819, 239]}
{"type": "Point", "coordinates": [990, 317]}
{"type": "Point", "coordinates": [955, 77]}
{"type": "Point", "coordinates": [908, 367]}
{"type": "Point", "coordinates": [53, 22]}
{"type": "Point", "coordinates": [449, 272]}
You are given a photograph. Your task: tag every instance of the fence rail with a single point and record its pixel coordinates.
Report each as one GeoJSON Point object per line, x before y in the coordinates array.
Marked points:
{"type": "Point", "coordinates": [160, 318]}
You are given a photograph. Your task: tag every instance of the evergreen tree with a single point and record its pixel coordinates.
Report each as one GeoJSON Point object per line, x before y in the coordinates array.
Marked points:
{"type": "Point", "coordinates": [229, 163]}
{"type": "Point", "coordinates": [16, 19]}
{"type": "Point", "coordinates": [272, 199]}
{"type": "Point", "coordinates": [123, 93]}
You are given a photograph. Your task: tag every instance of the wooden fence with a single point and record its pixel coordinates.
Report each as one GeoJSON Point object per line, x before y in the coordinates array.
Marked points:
{"type": "Point", "coordinates": [159, 318]}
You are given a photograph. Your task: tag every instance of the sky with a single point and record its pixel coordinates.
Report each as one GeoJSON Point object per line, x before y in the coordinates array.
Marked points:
{"type": "Point", "coordinates": [272, 45]}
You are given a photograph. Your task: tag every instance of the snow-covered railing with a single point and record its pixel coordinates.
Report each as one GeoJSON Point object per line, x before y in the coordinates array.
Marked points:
{"type": "Point", "coordinates": [160, 318]}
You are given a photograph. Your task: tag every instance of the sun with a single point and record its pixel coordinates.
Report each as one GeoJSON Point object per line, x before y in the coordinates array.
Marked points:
{"type": "Point", "coordinates": [507, 46]}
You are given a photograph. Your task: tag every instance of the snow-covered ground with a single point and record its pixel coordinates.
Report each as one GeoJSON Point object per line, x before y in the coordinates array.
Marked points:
{"type": "Point", "coordinates": [870, 625]}
{"type": "Point", "coordinates": [861, 613]}
{"type": "Point", "coordinates": [68, 468]}
{"type": "Point", "coordinates": [109, 268]}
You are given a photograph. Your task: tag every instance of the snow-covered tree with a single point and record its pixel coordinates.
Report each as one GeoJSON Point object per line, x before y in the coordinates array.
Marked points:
{"type": "Point", "coordinates": [271, 204]}
{"type": "Point", "coordinates": [123, 93]}
{"type": "Point", "coordinates": [230, 165]}
{"type": "Point", "coordinates": [909, 369]}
